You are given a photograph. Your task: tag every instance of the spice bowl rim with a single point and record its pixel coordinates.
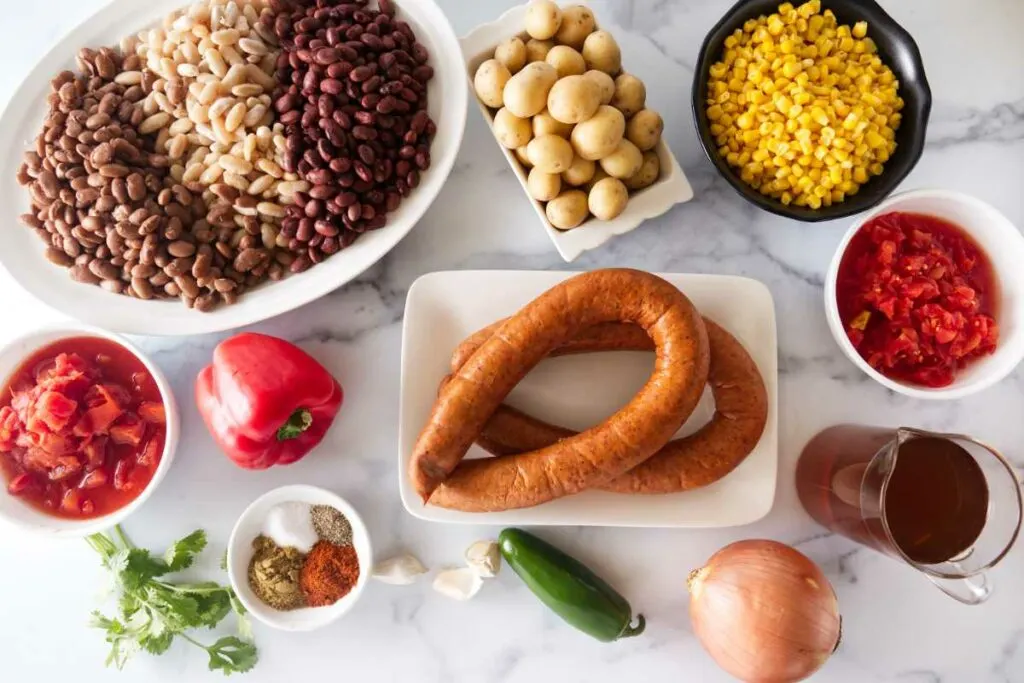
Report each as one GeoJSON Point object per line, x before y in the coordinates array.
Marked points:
{"type": "Point", "coordinates": [31, 520]}
{"type": "Point", "coordinates": [906, 63]}
{"type": "Point", "coordinates": [983, 372]}
{"type": "Point", "coordinates": [239, 553]}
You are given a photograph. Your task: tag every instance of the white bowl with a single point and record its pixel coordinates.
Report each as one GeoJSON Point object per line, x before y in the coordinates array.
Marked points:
{"type": "Point", "coordinates": [12, 508]}
{"type": "Point", "coordinates": [21, 252]}
{"type": "Point", "coordinates": [671, 188]}
{"type": "Point", "coordinates": [250, 525]}
{"type": "Point", "coordinates": [1003, 244]}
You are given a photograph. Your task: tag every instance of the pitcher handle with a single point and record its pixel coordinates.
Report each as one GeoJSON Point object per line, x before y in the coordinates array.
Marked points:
{"type": "Point", "coordinates": [972, 590]}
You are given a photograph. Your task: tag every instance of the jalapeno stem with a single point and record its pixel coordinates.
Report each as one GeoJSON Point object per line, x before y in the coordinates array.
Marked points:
{"type": "Point", "coordinates": [630, 631]}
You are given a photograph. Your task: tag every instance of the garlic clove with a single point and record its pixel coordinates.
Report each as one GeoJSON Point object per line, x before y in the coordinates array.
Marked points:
{"type": "Point", "coordinates": [458, 584]}
{"type": "Point", "coordinates": [402, 570]}
{"type": "Point", "coordinates": [484, 557]}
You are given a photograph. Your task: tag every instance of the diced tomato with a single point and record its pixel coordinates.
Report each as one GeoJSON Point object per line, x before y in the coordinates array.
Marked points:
{"type": "Point", "coordinates": [71, 502]}
{"type": "Point", "coordinates": [66, 466]}
{"type": "Point", "coordinates": [150, 453]}
{"type": "Point", "coordinates": [55, 410]}
{"type": "Point", "coordinates": [122, 475]}
{"type": "Point", "coordinates": [934, 289]}
{"type": "Point", "coordinates": [95, 450]}
{"type": "Point", "coordinates": [9, 428]}
{"type": "Point", "coordinates": [73, 441]}
{"type": "Point", "coordinates": [19, 484]}
{"type": "Point", "coordinates": [93, 479]}
{"type": "Point", "coordinates": [152, 412]}
{"type": "Point", "coordinates": [128, 430]}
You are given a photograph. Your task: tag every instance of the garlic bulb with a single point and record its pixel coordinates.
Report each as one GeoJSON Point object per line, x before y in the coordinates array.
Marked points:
{"type": "Point", "coordinates": [458, 584]}
{"type": "Point", "coordinates": [484, 557]}
{"type": "Point", "coordinates": [401, 570]}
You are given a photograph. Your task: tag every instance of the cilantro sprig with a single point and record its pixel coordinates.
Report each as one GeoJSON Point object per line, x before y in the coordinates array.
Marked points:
{"type": "Point", "coordinates": [152, 612]}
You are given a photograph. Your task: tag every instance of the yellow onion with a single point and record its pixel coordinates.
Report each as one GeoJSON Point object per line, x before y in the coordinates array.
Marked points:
{"type": "Point", "coordinates": [764, 612]}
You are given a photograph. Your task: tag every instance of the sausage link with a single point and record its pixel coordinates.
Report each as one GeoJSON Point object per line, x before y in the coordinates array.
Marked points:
{"type": "Point", "coordinates": [584, 460]}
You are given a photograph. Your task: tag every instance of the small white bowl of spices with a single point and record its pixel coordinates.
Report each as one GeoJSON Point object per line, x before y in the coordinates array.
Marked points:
{"type": "Point", "coordinates": [299, 558]}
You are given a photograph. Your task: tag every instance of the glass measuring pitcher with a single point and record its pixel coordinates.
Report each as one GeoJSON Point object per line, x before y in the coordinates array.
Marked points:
{"type": "Point", "coordinates": [946, 504]}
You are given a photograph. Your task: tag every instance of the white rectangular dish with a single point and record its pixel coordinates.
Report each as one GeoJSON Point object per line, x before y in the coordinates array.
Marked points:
{"type": "Point", "coordinates": [671, 188]}
{"type": "Point", "coordinates": [579, 391]}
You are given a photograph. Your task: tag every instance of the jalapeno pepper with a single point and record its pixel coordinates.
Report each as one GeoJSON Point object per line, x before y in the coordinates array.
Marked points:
{"type": "Point", "coordinates": [569, 588]}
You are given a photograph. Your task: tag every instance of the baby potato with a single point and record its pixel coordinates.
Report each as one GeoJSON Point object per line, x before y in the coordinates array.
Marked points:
{"type": "Point", "coordinates": [537, 50]}
{"type": "Point", "coordinates": [648, 173]}
{"type": "Point", "coordinates": [601, 52]}
{"type": "Point", "coordinates": [608, 198]}
{"type": "Point", "coordinates": [599, 135]}
{"type": "Point", "coordinates": [520, 153]}
{"type": "Point", "coordinates": [624, 161]}
{"type": "Point", "coordinates": [543, 186]}
{"type": "Point", "coordinates": [580, 171]}
{"type": "Point", "coordinates": [543, 19]}
{"type": "Point", "coordinates": [605, 82]}
{"type": "Point", "coordinates": [511, 130]}
{"type": "Point", "coordinates": [567, 61]}
{"type": "Point", "coordinates": [577, 23]}
{"type": "Point", "coordinates": [511, 53]}
{"type": "Point", "coordinates": [644, 129]}
{"type": "Point", "coordinates": [546, 124]}
{"type": "Point", "coordinates": [630, 95]}
{"type": "Point", "coordinates": [573, 99]}
{"type": "Point", "coordinates": [550, 153]}
{"type": "Point", "coordinates": [526, 93]}
{"type": "Point", "coordinates": [567, 210]}
{"type": "Point", "coordinates": [489, 82]}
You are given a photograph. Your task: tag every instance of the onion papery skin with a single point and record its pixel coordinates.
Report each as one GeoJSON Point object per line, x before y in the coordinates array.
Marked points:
{"type": "Point", "coordinates": [764, 612]}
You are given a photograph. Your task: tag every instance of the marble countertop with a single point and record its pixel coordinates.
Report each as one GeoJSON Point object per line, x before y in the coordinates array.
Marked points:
{"type": "Point", "coordinates": [897, 627]}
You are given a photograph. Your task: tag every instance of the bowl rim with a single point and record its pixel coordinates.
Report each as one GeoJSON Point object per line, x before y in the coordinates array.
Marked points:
{"type": "Point", "coordinates": [302, 493]}
{"type": "Point", "coordinates": [836, 211]}
{"type": "Point", "coordinates": [59, 527]}
{"type": "Point", "coordinates": [955, 390]}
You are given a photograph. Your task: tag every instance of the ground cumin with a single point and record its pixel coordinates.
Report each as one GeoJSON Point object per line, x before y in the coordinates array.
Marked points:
{"type": "Point", "coordinates": [329, 573]}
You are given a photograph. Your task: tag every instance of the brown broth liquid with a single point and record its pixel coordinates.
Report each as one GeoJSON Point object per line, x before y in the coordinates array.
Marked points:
{"type": "Point", "coordinates": [936, 502]}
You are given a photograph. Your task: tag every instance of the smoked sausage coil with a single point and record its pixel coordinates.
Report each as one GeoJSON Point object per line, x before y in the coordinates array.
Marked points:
{"type": "Point", "coordinates": [584, 460]}
{"type": "Point", "coordinates": [741, 411]}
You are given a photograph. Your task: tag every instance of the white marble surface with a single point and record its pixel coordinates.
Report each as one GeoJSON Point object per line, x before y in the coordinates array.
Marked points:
{"type": "Point", "coordinates": [897, 627]}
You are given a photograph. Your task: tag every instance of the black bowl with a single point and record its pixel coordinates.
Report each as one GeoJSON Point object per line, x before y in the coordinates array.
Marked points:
{"type": "Point", "coordinates": [896, 48]}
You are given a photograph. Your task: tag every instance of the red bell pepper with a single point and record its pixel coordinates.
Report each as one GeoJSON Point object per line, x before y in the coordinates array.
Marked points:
{"type": "Point", "coordinates": [266, 401]}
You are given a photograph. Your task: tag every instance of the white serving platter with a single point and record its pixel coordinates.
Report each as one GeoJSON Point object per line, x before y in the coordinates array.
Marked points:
{"type": "Point", "coordinates": [671, 188]}
{"type": "Point", "coordinates": [579, 391]}
{"type": "Point", "coordinates": [21, 252]}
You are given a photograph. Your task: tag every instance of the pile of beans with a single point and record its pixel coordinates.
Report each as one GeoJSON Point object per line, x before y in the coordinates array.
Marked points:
{"type": "Point", "coordinates": [237, 141]}
{"type": "Point", "coordinates": [353, 97]}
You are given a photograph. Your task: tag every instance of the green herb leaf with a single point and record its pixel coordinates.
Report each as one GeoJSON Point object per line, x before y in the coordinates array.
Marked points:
{"type": "Point", "coordinates": [157, 645]}
{"type": "Point", "coordinates": [224, 560]}
{"type": "Point", "coordinates": [212, 608]}
{"type": "Point", "coordinates": [152, 612]}
{"type": "Point", "coordinates": [232, 655]}
{"type": "Point", "coordinates": [183, 553]}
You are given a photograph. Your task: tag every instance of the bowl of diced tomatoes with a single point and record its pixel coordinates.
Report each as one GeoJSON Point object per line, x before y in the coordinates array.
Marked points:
{"type": "Point", "coordinates": [926, 294]}
{"type": "Point", "coordinates": [88, 429]}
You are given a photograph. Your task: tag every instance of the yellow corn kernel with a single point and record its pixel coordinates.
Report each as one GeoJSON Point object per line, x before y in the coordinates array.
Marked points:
{"type": "Point", "coordinates": [775, 25]}
{"type": "Point", "coordinates": [860, 29]}
{"type": "Point", "coordinates": [746, 122]}
{"type": "Point", "coordinates": [814, 202]}
{"type": "Point", "coordinates": [731, 42]}
{"type": "Point", "coordinates": [786, 198]}
{"type": "Point", "coordinates": [860, 175]}
{"type": "Point", "coordinates": [876, 169]}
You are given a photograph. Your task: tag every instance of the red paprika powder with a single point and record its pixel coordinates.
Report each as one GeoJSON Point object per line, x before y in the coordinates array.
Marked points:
{"type": "Point", "coordinates": [329, 573]}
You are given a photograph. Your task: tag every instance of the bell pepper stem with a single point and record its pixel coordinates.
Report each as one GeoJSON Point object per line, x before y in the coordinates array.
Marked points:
{"type": "Point", "coordinates": [630, 631]}
{"type": "Point", "coordinates": [299, 422]}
